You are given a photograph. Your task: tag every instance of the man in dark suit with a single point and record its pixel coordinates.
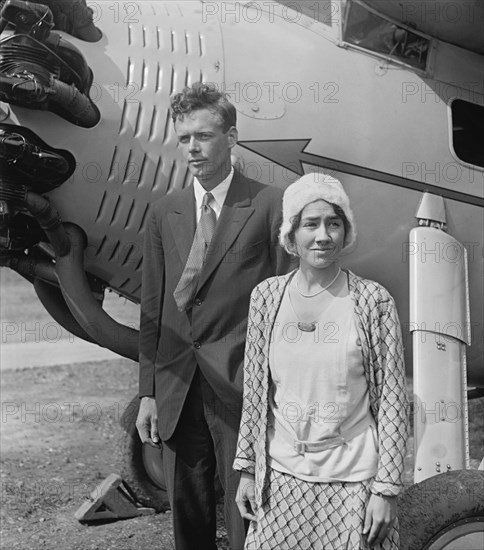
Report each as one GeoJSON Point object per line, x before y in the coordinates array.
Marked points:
{"type": "Point", "coordinates": [206, 248]}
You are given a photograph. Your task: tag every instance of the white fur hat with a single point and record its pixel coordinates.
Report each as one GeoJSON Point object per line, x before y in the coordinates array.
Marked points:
{"type": "Point", "coordinates": [309, 188]}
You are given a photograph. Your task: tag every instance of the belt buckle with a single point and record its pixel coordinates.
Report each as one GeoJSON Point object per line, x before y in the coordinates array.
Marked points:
{"type": "Point", "coordinates": [299, 447]}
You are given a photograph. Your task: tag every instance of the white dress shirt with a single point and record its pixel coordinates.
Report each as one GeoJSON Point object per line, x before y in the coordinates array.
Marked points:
{"type": "Point", "coordinates": [219, 195]}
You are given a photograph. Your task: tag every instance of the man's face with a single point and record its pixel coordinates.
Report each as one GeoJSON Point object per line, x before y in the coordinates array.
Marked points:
{"type": "Point", "coordinates": [205, 146]}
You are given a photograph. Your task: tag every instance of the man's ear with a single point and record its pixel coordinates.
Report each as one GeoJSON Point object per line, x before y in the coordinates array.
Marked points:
{"type": "Point", "coordinates": [233, 136]}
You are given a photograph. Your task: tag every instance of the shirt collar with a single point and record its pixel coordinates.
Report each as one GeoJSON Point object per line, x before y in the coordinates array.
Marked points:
{"type": "Point", "coordinates": [219, 192]}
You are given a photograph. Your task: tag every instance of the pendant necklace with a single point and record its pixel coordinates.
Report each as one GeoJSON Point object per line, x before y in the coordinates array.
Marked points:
{"type": "Point", "coordinates": [311, 327]}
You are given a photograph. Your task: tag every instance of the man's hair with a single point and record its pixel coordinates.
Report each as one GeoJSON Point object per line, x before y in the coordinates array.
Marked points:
{"type": "Point", "coordinates": [203, 96]}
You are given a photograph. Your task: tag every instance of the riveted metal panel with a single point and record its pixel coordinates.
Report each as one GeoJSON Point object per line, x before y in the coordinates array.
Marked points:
{"type": "Point", "coordinates": [148, 51]}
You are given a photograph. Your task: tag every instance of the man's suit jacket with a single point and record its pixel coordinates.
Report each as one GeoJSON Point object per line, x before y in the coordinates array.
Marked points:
{"type": "Point", "coordinates": [244, 251]}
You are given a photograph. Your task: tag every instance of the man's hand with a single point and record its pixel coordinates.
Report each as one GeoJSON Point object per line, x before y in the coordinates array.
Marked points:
{"type": "Point", "coordinates": [245, 498]}
{"type": "Point", "coordinates": [147, 422]}
{"type": "Point", "coordinates": [380, 515]}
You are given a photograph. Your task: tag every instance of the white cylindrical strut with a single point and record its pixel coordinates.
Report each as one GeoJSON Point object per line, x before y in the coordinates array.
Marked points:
{"type": "Point", "coordinates": [439, 322]}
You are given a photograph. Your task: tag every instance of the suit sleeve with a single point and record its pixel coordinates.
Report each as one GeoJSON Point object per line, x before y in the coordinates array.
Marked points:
{"type": "Point", "coordinates": [152, 289]}
{"type": "Point", "coordinates": [393, 410]}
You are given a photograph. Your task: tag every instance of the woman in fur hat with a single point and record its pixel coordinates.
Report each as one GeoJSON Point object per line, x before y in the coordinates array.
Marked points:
{"type": "Point", "coordinates": [324, 423]}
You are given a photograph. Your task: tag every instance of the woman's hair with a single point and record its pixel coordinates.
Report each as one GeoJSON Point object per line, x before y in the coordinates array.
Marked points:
{"type": "Point", "coordinates": [203, 96]}
{"type": "Point", "coordinates": [296, 221]}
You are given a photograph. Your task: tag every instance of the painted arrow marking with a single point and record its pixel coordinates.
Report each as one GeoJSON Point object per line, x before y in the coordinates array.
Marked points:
{"type": "Point", "coordinates": [292, 154]}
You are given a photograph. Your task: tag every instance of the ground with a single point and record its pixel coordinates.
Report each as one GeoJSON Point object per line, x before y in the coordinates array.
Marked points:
{"type": "Point", "coordinates": [59, 434]}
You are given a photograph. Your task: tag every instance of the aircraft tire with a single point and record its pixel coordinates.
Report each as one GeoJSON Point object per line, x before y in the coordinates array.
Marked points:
{"type": "Point", "coordinates": [441, 509]}
{"type": "Point", "coordinates": [141, 466]}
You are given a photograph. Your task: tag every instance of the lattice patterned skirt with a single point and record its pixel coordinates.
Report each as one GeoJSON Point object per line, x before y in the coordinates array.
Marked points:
{"type": "Point", "coordinates": [300, 515]}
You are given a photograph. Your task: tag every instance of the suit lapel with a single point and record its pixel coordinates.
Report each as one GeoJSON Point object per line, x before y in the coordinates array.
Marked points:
{"type": "Point", "coordinates": [235, 212]}
{"type": "Point", "coordinates": [182, 222]}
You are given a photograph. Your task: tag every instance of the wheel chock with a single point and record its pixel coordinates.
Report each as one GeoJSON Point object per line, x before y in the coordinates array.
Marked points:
{"type": "Point", "coordinates": [111, 499]}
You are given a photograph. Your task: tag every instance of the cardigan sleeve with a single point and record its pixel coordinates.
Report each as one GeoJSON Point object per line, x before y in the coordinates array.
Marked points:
{"type": "Point", "coordinates": [249, 425]}
{"type": "Point", "coordinates": [392, 418]}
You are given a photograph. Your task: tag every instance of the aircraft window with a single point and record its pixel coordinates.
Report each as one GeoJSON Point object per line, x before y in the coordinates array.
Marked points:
{"type": "Point", "coordinates": [467, 129]}
{"type": "Point", "coordinates": [367, 29]}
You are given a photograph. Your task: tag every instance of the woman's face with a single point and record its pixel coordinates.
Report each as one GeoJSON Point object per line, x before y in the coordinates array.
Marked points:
{"type": "Point", "coordinates": [320, 235]}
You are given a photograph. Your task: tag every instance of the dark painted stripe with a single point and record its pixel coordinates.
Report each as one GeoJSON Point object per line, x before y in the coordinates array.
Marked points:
{"type": "Point", "coordinates": [356, 170]}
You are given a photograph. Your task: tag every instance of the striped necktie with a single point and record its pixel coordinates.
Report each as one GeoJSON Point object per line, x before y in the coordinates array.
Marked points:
{"type": "Point", "coordinates": [187, 285]}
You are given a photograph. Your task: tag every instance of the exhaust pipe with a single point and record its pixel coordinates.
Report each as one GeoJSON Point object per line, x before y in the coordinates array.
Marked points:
{"type": "Point", "coordinates": [69, 242]}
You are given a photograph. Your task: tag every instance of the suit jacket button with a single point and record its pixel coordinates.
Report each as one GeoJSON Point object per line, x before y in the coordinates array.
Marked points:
{"type": "Point", "coordinates": [197, 345]}
{"type": "Point", "coordinates": [197, 302]}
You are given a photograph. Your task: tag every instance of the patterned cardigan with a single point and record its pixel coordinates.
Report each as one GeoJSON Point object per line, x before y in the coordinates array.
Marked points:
{"type": "Point", "coordinates": [379, 331]}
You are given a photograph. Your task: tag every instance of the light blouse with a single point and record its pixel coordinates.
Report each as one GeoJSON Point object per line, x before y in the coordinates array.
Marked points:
{"type": "Point", "coordinates": [319, 393]}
